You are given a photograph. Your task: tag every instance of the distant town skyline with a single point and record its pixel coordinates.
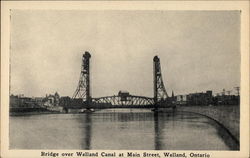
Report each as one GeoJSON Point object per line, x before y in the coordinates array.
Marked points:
{"type": "Point", "coordinates": [198, 50]}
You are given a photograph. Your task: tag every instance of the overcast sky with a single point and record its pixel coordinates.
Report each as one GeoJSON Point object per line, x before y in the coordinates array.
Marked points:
{"type": "Point", "coordinates": [198, 50]}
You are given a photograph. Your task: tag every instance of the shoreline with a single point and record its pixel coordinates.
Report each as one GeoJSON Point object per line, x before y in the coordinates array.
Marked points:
{"type": "Point", "coordinates": [226, 115]}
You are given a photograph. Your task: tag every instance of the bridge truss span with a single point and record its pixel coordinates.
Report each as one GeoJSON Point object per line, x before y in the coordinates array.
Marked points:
{"type": "Point", "coordinates": [130, 100]}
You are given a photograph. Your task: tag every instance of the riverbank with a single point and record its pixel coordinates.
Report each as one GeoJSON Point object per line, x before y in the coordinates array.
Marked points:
{"type": "Point", "coordinates": [31, 111]}
{"type": "Point", "coordinates": [226, 115]}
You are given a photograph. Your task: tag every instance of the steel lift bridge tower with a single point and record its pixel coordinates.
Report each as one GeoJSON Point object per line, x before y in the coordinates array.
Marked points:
{"type": "Point", "coordinates": [83, 88]}
{"type": "Point", "coordinates": [160, 93]}
{"type": "Point", "coordinates": [122, 100]}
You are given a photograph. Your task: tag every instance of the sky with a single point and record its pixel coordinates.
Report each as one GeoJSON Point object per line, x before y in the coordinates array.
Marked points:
{"type": "Point", "coordinates": [198, 51]}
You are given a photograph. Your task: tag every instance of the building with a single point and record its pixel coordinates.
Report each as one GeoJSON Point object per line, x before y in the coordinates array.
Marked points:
{"type": "Point", "coordinates": [200, 98]}
{"type": "Point", "coordinates": [65, 101]}
{"type": "Point", "coordinates": [207, 98]}
{"type": "Point", "coordinates": [195, 99]}
{"type": "Point", "coordinates": [20, 101]}
{"type": "Point", "coordinates": [181, 99]}
{"type": "Point", "coordinates": [52, 100]}
{"type": "Point", "coordinates": [226, 100]}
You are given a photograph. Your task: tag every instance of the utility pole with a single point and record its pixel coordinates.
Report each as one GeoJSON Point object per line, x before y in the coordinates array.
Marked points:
{"type": "Point", "coordinates": [228, 92]}
{"type": "Point", "coordinates": [237, 90]}
{"type": "Point", "coordinates": [223, 92]}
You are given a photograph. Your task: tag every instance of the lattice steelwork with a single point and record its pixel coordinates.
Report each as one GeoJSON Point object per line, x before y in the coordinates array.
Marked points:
{"type": "Point", "coordinates": [83, 88]}
{"type": "Point", "coordinates": [130, 100]}
{"type": "Point", "coordinates": [160, 93]}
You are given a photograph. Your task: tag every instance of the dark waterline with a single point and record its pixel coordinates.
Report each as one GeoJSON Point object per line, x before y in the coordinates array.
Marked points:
{"type": "Point", "coordinates": [117, 129]}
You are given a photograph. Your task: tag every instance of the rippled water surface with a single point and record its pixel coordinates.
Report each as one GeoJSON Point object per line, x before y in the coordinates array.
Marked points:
{"type": "Point", "coordinates": [137, 129]}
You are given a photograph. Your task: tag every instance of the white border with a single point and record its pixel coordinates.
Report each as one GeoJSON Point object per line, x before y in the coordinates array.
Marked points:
{"type": "Point", "coordinates": [126, 5]}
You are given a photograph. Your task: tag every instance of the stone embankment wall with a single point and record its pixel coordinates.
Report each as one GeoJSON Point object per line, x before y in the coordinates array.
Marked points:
{"type": "Point", "coordinates": [226, 115]}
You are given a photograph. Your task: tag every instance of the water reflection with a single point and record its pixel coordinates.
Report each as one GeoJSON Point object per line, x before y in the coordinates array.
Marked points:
{"type": "Point", "coordinates": [119, 129]}
{"type": "Point", "coordinates": [157, 132]}
{"type": "Point", "coordinates": [88, 122]}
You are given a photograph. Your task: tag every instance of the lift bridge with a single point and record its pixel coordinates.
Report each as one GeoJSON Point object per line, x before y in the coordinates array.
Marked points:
{"type": "Point", "coordinates": [82, 96]}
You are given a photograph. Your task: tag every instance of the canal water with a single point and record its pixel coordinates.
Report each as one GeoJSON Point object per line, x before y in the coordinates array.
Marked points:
{"type": "Point", "coordinates": [114, 129]}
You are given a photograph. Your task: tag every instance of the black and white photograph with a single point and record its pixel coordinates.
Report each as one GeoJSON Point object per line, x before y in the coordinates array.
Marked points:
{"type": "Point", "coordinates": [120, 79]}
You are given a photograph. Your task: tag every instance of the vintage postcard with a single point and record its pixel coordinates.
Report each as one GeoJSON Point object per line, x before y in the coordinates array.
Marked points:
{"type": "Point", "coordinates": [138, 79]}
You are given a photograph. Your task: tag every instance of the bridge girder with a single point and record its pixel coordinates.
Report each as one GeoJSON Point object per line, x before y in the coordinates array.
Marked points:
{"type": "Point", "coordinates": [131, 100]}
